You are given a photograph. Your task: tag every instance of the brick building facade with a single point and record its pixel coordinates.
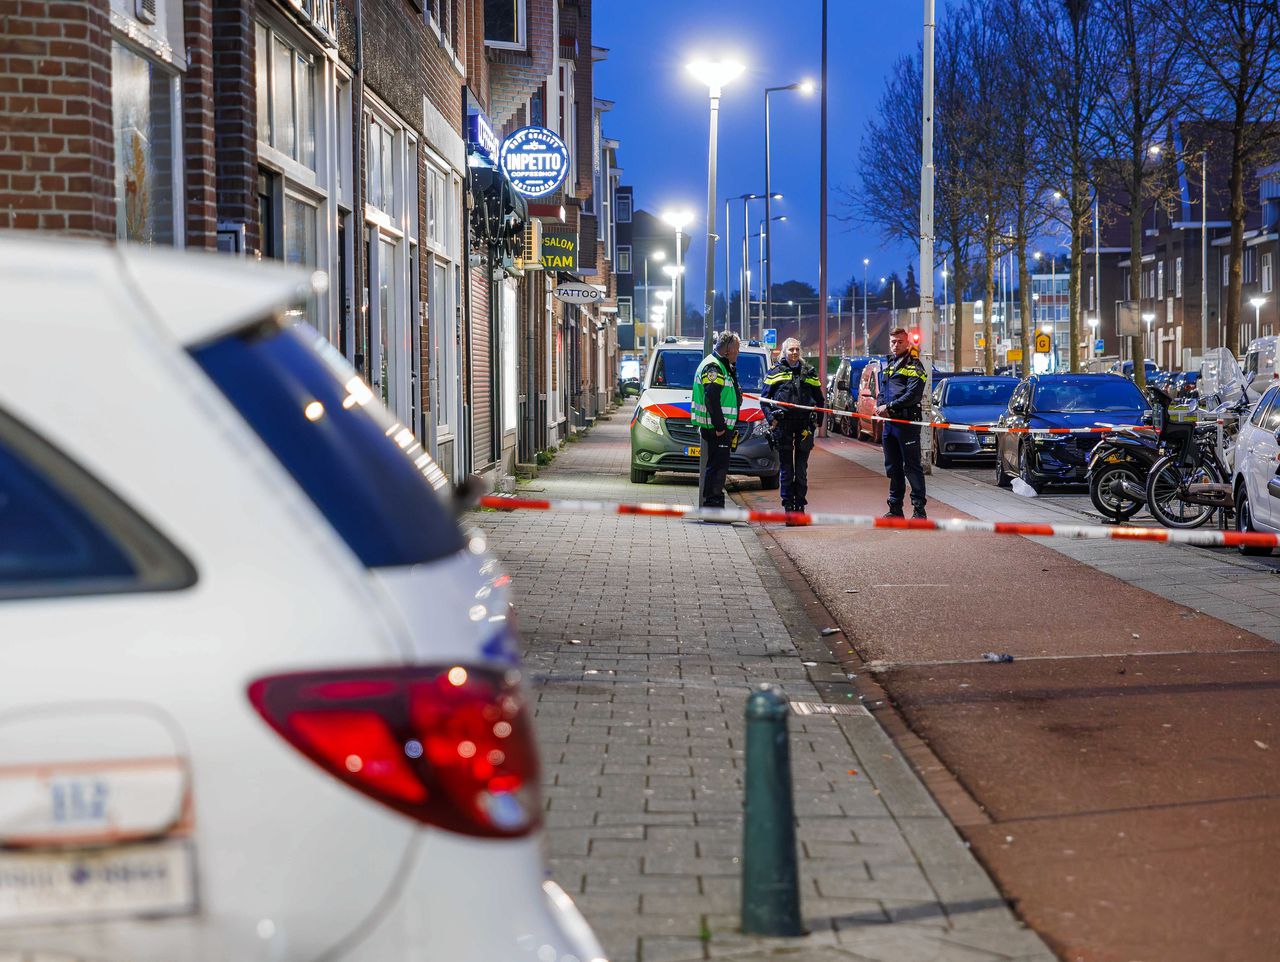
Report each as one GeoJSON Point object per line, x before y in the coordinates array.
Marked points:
{"type": "Point", "coordinates": [331, 134]}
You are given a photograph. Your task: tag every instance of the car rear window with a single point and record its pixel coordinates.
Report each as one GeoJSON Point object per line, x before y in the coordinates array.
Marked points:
{"type": "Point", "coordinates": [366, 473]}
{"type": "Point", "coordinates": [972, 392]}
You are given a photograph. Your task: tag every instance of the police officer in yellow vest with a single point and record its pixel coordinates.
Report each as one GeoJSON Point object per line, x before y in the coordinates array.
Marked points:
{"type": "Point", "coordinates": [716, 400]}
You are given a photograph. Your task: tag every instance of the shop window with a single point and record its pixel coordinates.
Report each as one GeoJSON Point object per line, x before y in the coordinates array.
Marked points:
{"type": "Point", "coordinates": [504, 23]}
{"type": "Point", "coordinates": [143, 114]}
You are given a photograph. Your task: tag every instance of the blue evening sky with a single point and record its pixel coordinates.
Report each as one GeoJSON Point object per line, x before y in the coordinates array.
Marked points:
{"type": "Point", "coordinates": [661, 116]}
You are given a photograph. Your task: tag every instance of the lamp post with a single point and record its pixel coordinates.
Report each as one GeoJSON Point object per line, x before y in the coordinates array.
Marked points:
{"type": "Point", "coordinates": [744, 299]}
{"type": "Point", "coordinates": [715, 74]}
{"type": "Point", "coordinates": [942, 328]}
{"type": "Point", "coordinates": [679, 219]}
{"type": "Point", "coordinates": [764, 262]}
{"type": "Point", "coordinates": [866, 342]}
{"type": "Point", "coordinates": [659, 256]}
{"type": "Point", "coordinates": [1257, 303]}
{"type": "Point", "coordinates": [805, 86]}
{"type": "Point", "coordinates": [1148, 318]}
{"type": "Point", "coordinates": [1093, 337]}
{"type": "Point", "coordinates": [660, 309]}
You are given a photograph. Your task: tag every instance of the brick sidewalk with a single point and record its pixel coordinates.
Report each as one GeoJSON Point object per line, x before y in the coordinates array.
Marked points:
{"type": "Point", "coordinates": [640, 678]}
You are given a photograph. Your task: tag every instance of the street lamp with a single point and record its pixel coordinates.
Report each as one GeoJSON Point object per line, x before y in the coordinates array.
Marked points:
{"type": "Point", "coordinates": [866, 342]}
{"type": "Point", "coordinates": [659, 256]}
{"type": "Point", "coordinates": [805, 87]}
{"type": "Point", "coordinates": [1257, 303]}
{"type": "Point", "coordinates": [1148, 318]}
{"type": "Point", "coordinates": [715, 74]}
{"type": "Point", "coordinates": [1093, 337]}
{"type": "Point", "coordinates": [744, 299]}
{"type": "Point", "coordinates": [679, 219]}
{"type": "Point", "coordinates": [797, 307]}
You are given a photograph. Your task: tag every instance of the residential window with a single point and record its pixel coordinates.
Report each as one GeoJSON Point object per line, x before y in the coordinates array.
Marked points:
{"type": "Point", "coordinates": [143, 113]}
{"type": "Point", "coordinates": [1250, 265]}
{"type": "Point", "coordinates": [1093, 303]}
{"type": "Point", "coordinates": [624, 209]}
{"type": "Point", "coordinates": [1160, 280]}
{"type": "Point", "coordinates": [504, 23]}
{"type": "Point", "coordinates": [566, 112]}
{"type": "Point", "coordinates": [1226, 269]}
{"type": "Point", "coordinates": [286, 82]}
{"type": "Point", "coordinates": [1267, 277]}
{"type": "Point", "coordinates": [624, 259]}
{"type": "Point", "coordinates": [625, 315]}
{"type": "Point", "coordinates": [380, 181]}
{"type": "Point", "coordinates": [1177, 277]}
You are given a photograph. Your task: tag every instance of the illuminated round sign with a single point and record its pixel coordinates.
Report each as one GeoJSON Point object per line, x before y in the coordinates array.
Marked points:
{"type": "Point", "coordinates": [536, 161]}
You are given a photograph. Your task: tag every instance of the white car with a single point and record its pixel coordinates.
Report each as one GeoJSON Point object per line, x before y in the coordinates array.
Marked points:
{"type": "Point", "coordinates": [1256, 485]}
{"type": "Point", "coordinates": [663, 437]}
{"type": "Point", "coordinates": [259, 697]}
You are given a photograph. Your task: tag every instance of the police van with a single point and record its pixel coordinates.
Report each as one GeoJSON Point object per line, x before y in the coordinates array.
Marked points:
{"type": "Point", "coordinates": [663, 436]}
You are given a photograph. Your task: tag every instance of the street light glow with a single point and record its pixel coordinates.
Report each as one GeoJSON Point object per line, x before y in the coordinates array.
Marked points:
{"type": "Point", "coordinates": [679, 219]}
{"type": "Point", "coordinates": [1148, 318]}
{"type": "Point", "coordinates": [807, 86]}
{"type": "Point", "coordinates": [671, 270]}
{"type": "Point", "coordinates": [716, 73]}
{"type": "Point", "coordinates": [663, 296]}
{"type": "Point", "coordinates": [659, 256]}
{"type": "Point", "coordinates": [1257, 302]}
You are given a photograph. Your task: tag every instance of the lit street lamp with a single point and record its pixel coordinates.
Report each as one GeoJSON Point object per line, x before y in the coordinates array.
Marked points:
{"type": "Point", "coordinates": [1148, 318]}
{"type": "Point", "coordinates": [679, 219]}
{"type": "Point", "coordinates": [1257, 303]}
{"type": "Point", "coordinates": [866, 341]}
{"type": "Point", "coordinates": [805, 87]}
{"type": "Point", "coordinates": [715, 74]}
{"type": "Point", "coordinates": [1093, 337]}
{"type": "Point", "coordinates": [744, 299]}
{"type": "Point", "coordinates": [658, 256]}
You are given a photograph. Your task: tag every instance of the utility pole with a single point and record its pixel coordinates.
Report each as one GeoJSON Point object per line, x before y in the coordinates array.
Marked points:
{"type": "Point", "coordinates": [822, 228]}
{"type": "Point", "coordinates": [1204, 253]}
{"type": "Point", "coordinates": [926, 233]}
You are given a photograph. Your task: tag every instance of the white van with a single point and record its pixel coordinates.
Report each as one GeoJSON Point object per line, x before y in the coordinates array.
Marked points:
{"type": "Point", "coordinates": [1260, 360]}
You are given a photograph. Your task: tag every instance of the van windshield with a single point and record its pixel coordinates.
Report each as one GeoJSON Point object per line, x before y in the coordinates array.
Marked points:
{"type": "Point", "coordinates": [674, 370]}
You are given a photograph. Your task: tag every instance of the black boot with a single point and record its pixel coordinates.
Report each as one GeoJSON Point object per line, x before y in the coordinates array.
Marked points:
{"type": "Point", "coordinates": [917, 513]}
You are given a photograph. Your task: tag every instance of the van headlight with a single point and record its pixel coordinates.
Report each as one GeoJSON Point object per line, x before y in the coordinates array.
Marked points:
{"type": "Point", "coordinates": [651, 422]}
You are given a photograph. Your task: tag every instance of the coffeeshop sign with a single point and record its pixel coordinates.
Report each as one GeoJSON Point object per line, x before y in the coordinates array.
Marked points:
{"type": "Point", "coordinates": [535, 160]}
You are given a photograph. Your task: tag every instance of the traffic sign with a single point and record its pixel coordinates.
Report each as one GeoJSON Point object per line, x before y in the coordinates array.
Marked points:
{"type": "Point", "coordinates": [1099, 345]}
{"type": "Point", "coordinates": [771, 336]}
{"type": "Point", "coordinates": [1014, 354]}
{"type": "Point", "coordinates": [1044, 343]}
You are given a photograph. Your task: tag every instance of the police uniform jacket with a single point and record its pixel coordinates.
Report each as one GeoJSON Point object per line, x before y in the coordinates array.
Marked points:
{"type": "Point", "coordinates": [902, 382]}
{"type": "Point", "coordinates": [794, 385]}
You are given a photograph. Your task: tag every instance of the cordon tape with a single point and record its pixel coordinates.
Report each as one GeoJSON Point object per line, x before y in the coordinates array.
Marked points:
{"type": "Point", "coordinates": [989, 428]}
{"type": "Point", "coordinates": [1200, 539]}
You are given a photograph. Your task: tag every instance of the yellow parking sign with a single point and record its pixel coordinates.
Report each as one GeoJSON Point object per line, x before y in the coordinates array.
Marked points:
{"type": "Point", "coordinates": [1044, 343]}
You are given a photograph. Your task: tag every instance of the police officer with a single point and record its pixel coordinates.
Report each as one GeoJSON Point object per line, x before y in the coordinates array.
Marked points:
{"type": "Point", "coordinates": [793, 381]}
{"type": "Point", "coordinates": [902, 384]}
{"type": "Point", "coordinates": [716, 400]}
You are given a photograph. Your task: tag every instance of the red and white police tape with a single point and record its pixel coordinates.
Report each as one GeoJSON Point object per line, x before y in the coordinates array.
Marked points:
{"type": "Point", "coordinates": [989, 428]}
{"type": "Point", "coordinates": [1198, 538]}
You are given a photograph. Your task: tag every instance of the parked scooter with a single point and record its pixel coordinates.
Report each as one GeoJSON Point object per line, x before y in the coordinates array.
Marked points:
{"type": "Point", "coordinates": [1118, 469]}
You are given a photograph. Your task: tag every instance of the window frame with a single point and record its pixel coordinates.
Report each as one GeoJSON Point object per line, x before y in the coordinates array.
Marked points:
{"type": "Point", "coordinates": [624, 251]}
{"type": "Point", "coordinates": [522, 30]}
{"type": "Point", "coordinates": [160, 565]}
{"type": "Point", "coordinates": [625, 204]}
{"type": "Point", "coordinates": [1267, 272]}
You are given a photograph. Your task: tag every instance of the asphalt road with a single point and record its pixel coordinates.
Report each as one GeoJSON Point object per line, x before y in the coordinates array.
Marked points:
{"type": "Point", "coordinates": [1125, 767]}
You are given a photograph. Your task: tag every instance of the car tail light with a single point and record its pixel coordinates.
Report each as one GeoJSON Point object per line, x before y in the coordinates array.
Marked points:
{"type": "Point", "coordinates": [451, 746]}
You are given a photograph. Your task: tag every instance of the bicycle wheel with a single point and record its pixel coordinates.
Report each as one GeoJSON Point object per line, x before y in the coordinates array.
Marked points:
{"type": "Point", "coordinates": [1166, 490]}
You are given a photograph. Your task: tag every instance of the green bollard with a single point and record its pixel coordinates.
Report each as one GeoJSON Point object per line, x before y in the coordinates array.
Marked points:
{"type": "Point", "coordinates": [770, 878]}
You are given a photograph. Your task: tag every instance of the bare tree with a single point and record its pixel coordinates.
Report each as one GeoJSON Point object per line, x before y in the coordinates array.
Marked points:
{"type": "Point", "coordinates": [1152, 83]}
{"type": "Point", "coordinates": [888, 197]}
{"type": "Point", "coordinates": [1236, 44]}
{"type": "Point", "coordinates": [1063, 57]}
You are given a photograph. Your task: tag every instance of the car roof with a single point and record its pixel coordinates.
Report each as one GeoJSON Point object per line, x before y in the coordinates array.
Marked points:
{"type": "Point", "coordinates": [1075, 378]}
{"type": "Point", "coordinates": [192, 297]}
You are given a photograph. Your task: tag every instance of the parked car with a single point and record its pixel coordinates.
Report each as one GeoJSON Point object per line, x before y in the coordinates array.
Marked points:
{"type": "Point", "coordinates": [260, 690]}
{"type": "Point", "coordinates": [844, 393]}
{"type": "Point", "coordinates": [1184, 384]}
{"type": "Point", "coordinates": [968, 399]}
{"type": "Point", "coordinates": [1061, 401]}
{"type": "Point", "coordinates": [663, 437]}
{"type": "Point", "coordinates": [1260, 361]}
{"type": "Point", "coordinates": [1125, 369]}
{"type": "Point", "coordinates": [869, 390]}
{"type": "Point", "coordinates": [1255, 483]}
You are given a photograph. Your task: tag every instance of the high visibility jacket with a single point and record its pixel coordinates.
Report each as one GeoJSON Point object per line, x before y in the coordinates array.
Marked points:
{"type": "Point", "coordinates": [902, 381]}
{"type": "Point", "coordinates": [795, 385]}
{"type": "Point", "coordinates": [714, 382]}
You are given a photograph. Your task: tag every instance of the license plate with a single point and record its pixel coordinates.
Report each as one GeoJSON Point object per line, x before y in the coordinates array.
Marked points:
{"type": "Point", "coordinates": [149, 878]}
{"type": "Point", "coordinates": [694, 452]}
{"type": "Point", "coordinates": [988, 442]}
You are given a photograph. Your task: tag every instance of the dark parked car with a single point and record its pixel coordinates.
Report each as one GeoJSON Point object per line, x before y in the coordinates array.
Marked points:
{"type": "Point", "coordinates": [844, 393]}
{"type": "Point", "coordinates": [1061, 401]}
{"type": "Point", "coordinates": [869, 390]}
{"type": "Point", "coordinates": [968, 399]}
{"type": "Point", "coordinates": [1126, 369]}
